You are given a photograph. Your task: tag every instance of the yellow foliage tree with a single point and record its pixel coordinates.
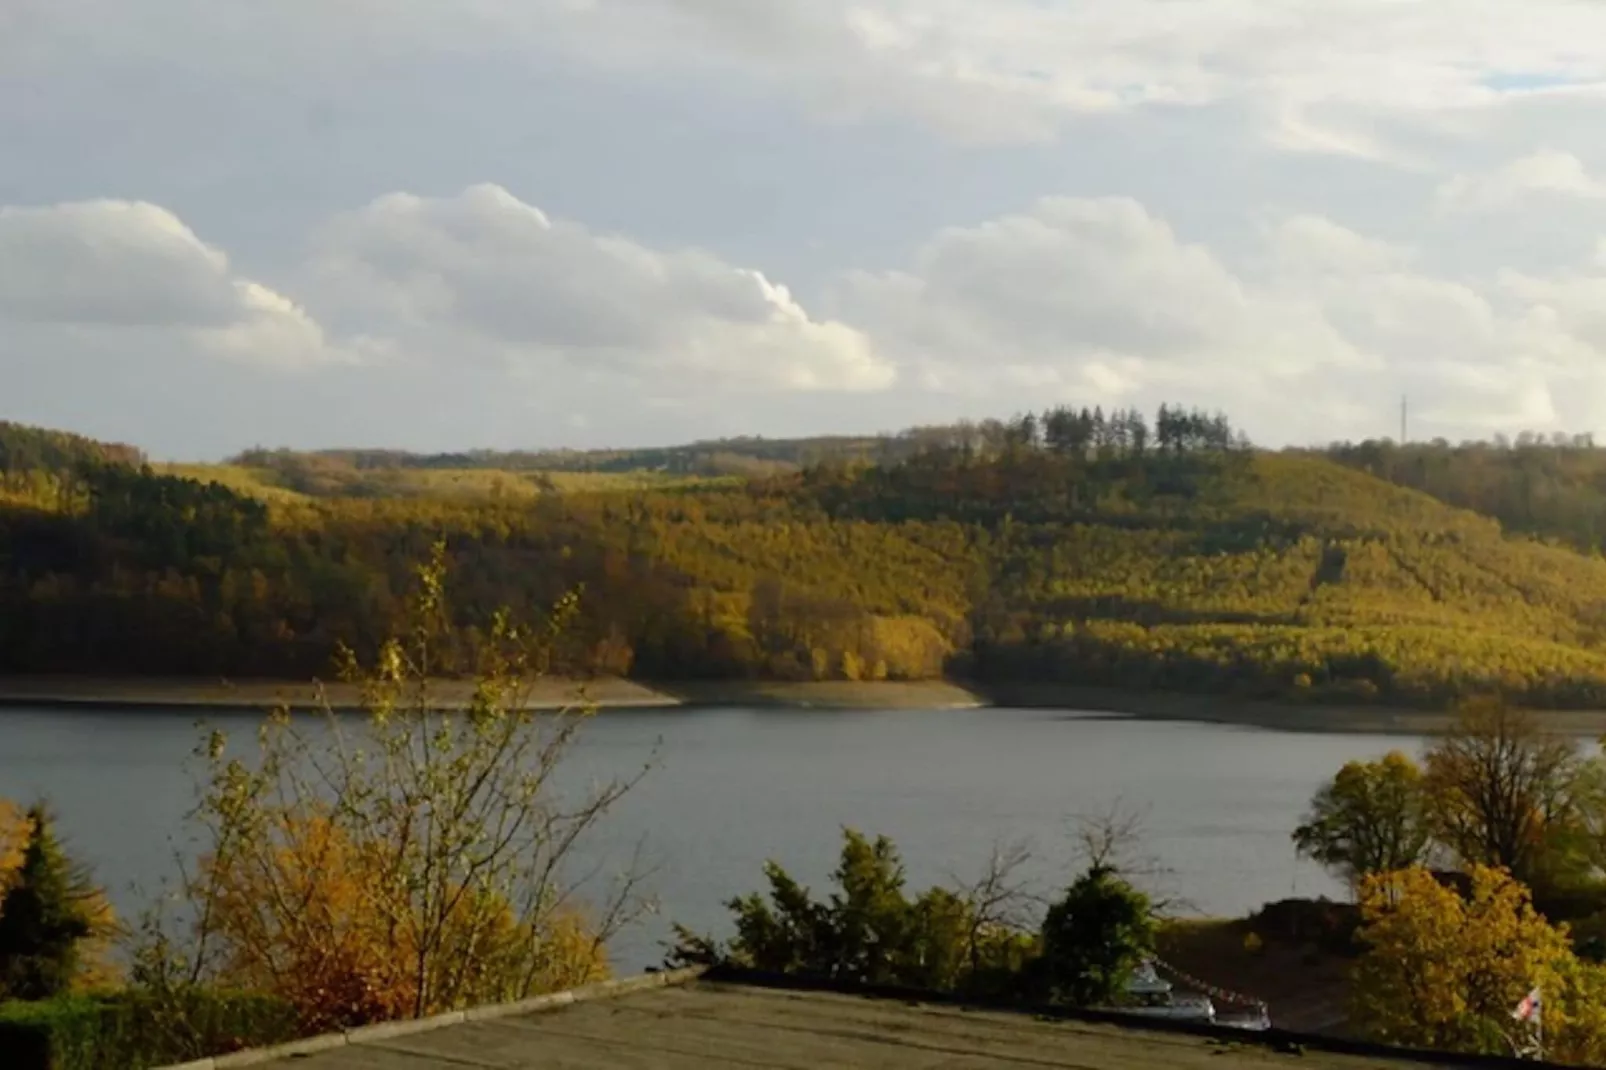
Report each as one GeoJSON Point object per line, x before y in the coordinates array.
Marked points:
{"type": "Point", "coordinates": [100, 966]}
{"type": "Point", "coordinates": [1444, 970]}
{"type": "Point", "coordinates": [411, 865]}
{"type": "Point", "coordinates": [293, 912]}
{"type": "Point", "coordinates": [1367, 819]}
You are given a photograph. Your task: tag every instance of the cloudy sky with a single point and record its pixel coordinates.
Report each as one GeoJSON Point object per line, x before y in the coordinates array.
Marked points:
{"type": "Point", "coordinates": [516, 223]}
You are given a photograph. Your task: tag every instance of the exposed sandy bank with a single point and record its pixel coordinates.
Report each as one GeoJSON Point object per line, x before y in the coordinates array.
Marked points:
{"type": "Point", "coordinates": [605, 692]}
{"type": "Point", "coordinates": [268, 694]}
{"type": "Point", "coordinates": [1281, 716]}
{"type": "Point", "coordinates": [615, 693]}
{"type": "Point", "coordinates": [826, 694]}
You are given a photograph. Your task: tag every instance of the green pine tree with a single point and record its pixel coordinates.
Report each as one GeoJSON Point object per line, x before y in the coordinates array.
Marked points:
{"type": "Point", "coordinates": [1095, 937]}
{"type": "Point", "coordinates": [44, 917]}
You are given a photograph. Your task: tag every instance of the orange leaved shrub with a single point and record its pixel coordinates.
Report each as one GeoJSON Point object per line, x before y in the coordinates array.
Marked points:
{"type": "Point", "coordinates": [308, 913]}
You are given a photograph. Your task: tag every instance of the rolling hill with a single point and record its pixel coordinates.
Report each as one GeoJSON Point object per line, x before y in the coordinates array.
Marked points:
{"type": "Point", "coordinates": [1170, 557]}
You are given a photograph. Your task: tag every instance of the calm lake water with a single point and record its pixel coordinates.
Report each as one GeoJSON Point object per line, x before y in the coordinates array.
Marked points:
{"type": "Point", "coordinates": [732, 788]}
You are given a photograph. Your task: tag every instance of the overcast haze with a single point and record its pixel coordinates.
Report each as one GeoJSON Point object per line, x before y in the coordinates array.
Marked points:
{"type": "Point", "coordinates": [441, 224]}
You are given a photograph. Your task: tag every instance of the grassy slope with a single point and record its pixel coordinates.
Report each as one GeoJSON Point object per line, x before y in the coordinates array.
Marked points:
{"type": "Point", "coordinates": [248, 481]}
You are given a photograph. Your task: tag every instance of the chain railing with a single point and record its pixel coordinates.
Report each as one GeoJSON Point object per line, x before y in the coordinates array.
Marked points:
{"type": "Point", "coordinates": [1213, 991]}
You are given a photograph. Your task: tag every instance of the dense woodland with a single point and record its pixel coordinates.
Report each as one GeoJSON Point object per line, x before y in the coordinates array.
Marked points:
{"type": "Point", "coordinates": [1554, 487]}
{"type": "Point", "coordinates": [1073, 546]}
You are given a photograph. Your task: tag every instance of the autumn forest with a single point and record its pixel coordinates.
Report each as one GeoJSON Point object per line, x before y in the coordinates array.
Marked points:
{"type": "Point", "coordinates": [1113, 549]}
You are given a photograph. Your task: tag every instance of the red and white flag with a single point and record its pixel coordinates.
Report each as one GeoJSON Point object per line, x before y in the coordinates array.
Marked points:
{"type": "Point", "coordinates": [1528, 1009]}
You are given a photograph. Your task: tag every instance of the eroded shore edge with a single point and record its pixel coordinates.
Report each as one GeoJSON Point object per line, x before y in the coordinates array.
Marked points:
{"type": "Point", "coordinates": [195, 695]}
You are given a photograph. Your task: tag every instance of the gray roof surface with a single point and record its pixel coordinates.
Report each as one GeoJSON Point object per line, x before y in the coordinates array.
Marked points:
{"type": "Point", "coordinates": [707, 1025]}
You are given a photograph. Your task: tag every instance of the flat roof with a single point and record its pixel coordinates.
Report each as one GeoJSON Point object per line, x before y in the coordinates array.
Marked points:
{"type": "Point", "coordinates": [704, 1024]}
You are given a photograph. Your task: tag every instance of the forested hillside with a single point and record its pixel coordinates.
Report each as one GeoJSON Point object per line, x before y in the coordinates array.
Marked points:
{"type": "Point", "coordinates": [35, 463]}
{"type": "Point", "coordinates": [1553, 487]}
{"type": "Point", "coordinates": [1071, 546]}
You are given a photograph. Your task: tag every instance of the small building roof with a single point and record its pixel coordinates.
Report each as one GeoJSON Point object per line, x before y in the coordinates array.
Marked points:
{"type": "Point", "coordinates": [702, 1025]}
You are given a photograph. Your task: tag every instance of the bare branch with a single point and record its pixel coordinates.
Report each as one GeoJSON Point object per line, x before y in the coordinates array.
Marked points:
{"type": "Point", "coordinates": [1112, 839]}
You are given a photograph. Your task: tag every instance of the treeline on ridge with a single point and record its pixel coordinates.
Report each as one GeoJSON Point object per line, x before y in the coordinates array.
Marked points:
{"type": "Point", "coordinates": [1549, 486]}
{"type": "Point", "coordinates": [1553, 487]}
{"type": "Point", "coordinates": [1069, 547]}
{"type": "Point", "coordinates": [34, 462]}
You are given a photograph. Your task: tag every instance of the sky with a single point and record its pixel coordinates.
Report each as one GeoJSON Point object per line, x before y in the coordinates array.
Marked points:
{"type": "Point", "coordinates": [454, 224]}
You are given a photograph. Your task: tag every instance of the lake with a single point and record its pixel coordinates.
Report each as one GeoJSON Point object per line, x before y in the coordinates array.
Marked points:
{"type": "Point", "coordinates": [732, 788]}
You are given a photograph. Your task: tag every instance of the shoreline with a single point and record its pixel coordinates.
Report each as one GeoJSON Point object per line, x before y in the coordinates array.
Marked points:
{"type": "Point", "coordinates": [613, 693]}
{"type": "Point", "coordinates": [247, 695]}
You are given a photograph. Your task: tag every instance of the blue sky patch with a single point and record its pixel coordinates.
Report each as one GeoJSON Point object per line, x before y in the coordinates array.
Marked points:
{"type": "Point", "coordinates": [1519, 81]}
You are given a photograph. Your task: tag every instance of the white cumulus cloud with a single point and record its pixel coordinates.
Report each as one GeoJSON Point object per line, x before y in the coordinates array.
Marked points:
{"type": "Point", "coordinates": [484, 273]}
{"type": "Point", "coordinates": [1313, 330]}
{"type": "Point", "coordinates": [108, 266]}
{"type": "Point", "coordinates": [1515, 184]}
{"type": "Point", "coordinates": [983, 70]}
{"type": "Point", "coordinates": [1091, 299]}
{"type": "Point", "coordinates": [1012, 69]}
{"type": "Point", "coordinates": [1314, 334]}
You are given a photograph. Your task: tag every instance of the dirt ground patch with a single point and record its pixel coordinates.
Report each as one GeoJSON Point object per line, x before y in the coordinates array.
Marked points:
{"type": "Point", "coordinates": [1306, 989]}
